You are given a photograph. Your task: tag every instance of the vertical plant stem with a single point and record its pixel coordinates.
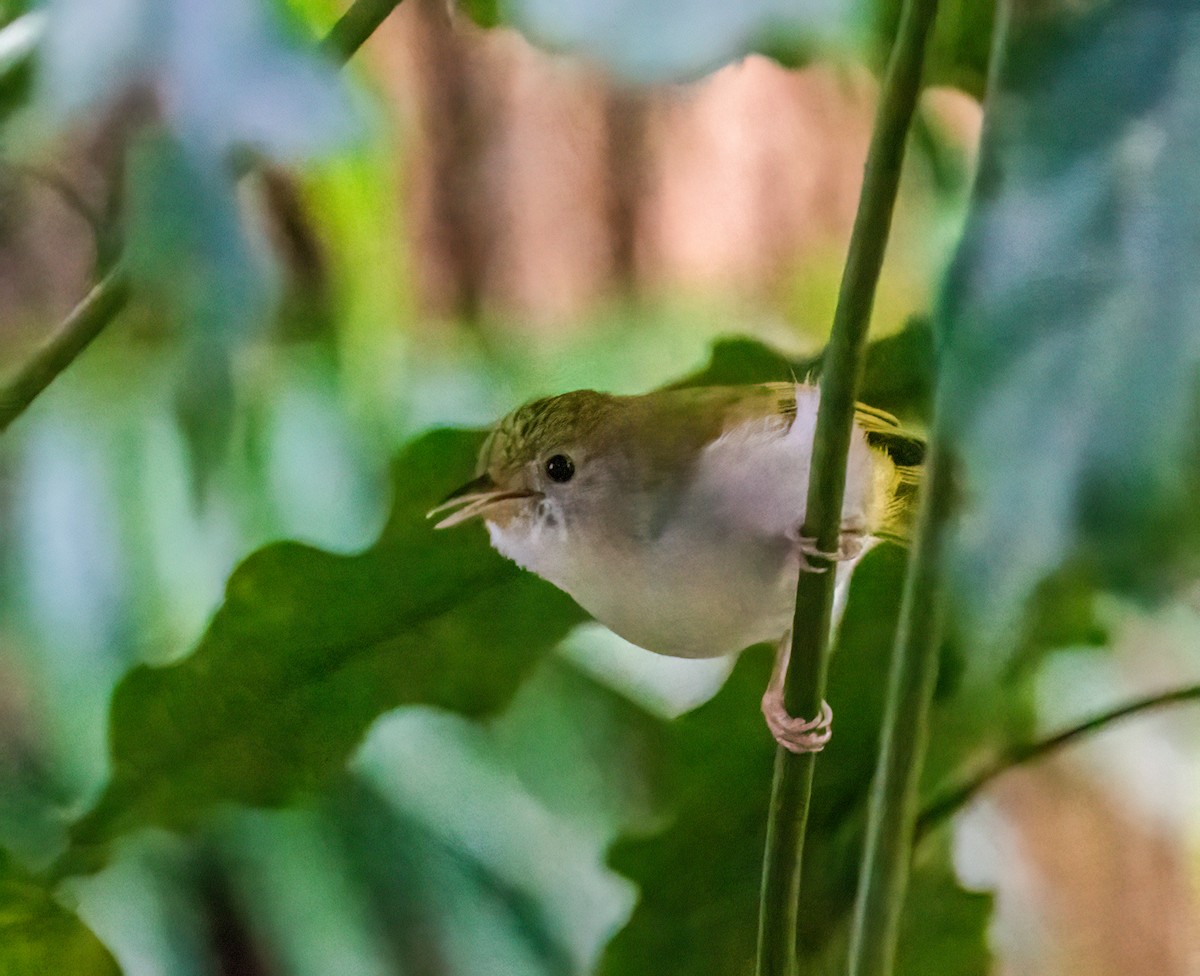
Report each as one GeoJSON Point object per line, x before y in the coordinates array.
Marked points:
{"type": "Point", "coordinates": [892, 811]}
{"type": "Point", "coordinates": [804, 686]}
{"type": "Point", "coordinates": [111, 294]}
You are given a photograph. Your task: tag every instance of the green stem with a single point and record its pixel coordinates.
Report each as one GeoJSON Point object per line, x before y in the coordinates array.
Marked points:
{"type": "Point", "coordinates": [111, 294]}
{"type": "Point", "coordinates": [892, 810]}
{"type": "Point", "coordinates": [959, 796]}
{"type": "Point", "coordinates": [74, 335]}
{"type": "Point", "coordinates": [355, 26]}
{"type": "Point", "coordinates": [805, 681]}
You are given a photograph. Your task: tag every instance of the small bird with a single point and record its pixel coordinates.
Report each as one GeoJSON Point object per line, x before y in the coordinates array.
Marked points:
{"type": "Point", "coordinates": [674, 518]}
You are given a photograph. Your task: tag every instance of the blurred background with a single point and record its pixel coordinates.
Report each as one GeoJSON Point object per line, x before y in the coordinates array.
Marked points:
{"type": "Point", "coordinates": [500, 223]}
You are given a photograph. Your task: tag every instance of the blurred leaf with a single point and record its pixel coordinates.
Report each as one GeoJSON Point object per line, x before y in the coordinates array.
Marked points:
{"type": "Point", "coordinates": [667, 40]}
{"type": "Point", "coordinates": [536, 854]}
{"type": "Point", "coordinates": [1071, 350]}
{"type": "Point", "coordinates": [281, 898]}
{"type": "Point", "coordinates": [228, 83]}
{"type": "Point", "coordinates": [663, 41]}
{"type": "Point", "coordinates": [309, 648]}
{"type": "Point", "coordinates": [443, 913]}
{"type": "Point", "coordinates": [486, 13]}
{"type": "Point", "coordinates": [186, 245]}
{"type": "Point", "coordinates": [229, 74]}
{"type": "Point", "coordinates": [897, 373]}
{"type": "Point", "coordinates": [38, 936]}
{"type": "Point", "coordinates": [699, 879]}
{"type": "Point", "coordinates": [192, 257]}
{"type": "Point", "coordinates": [944, 929]}
{"type": "Point", "coordinates": [586, 752]}
{"type": "Point", "coordinates": [18, 39]}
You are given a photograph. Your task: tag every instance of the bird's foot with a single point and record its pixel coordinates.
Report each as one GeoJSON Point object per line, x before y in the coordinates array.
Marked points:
{"type": "Point", "coordinates": [796, 734]}
{"type": "Point", "coordinates": [851, 543]}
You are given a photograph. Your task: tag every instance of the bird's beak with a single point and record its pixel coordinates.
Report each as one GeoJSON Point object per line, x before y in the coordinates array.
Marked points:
{"type": "Point", "coordinates": [475, 497]}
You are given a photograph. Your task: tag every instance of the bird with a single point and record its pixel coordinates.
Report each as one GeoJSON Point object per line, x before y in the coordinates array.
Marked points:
{"type": "Point", "coordinates": [675, 517]}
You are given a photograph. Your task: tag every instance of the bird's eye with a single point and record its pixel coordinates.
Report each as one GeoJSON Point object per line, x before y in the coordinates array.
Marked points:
{"type": "Point", "coordinates": [560, 468]}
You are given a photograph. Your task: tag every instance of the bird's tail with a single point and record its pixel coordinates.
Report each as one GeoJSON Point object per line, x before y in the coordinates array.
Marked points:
{"type": "Point", "coordinates": [907, 452]}
{"type": "Point", "coordinates": [900, 516]}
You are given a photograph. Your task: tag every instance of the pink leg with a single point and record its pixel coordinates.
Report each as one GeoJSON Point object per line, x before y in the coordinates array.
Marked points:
{"type": "Point", "coordinates": [794, 734]}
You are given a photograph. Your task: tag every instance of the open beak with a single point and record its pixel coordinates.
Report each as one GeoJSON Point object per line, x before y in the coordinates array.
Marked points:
{"type": "Point", "coordinates": [475, 497]}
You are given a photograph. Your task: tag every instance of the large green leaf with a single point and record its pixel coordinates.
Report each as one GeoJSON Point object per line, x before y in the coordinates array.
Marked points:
{"type": "Point", "coordinates": [309, 648]}
{"type": "Point", "coordinates": [699, 879]}
{"type": "Point", "coordinates": [1070, 331]}
{"type": "Point", "coordinates": [495, 836]}
{"type": "Point", "coordinates": [38, 936]}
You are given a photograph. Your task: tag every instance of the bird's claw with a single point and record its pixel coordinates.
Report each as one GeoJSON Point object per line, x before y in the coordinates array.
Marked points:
{"type": "Point", "coordinates": [850, 547]}
{"type": "Point", "coordinates": [796, 734]}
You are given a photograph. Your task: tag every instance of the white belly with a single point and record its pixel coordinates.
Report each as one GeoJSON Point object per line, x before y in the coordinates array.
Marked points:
{"type": "Point", "coordinates": [686, 600]}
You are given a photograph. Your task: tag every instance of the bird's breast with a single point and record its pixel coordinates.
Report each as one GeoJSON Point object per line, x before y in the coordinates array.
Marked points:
{"type": "Point", "coordinates": [695, 591]}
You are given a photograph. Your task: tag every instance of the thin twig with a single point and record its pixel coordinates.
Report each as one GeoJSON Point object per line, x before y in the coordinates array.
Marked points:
{"type": "Point", "coordinates": [957, 797]}
{"type": "Point", "coordinates": [111, 294]}
{"type": "Point", "coordinates": [74, 335]}
{"type": "Point", "coordinates": [355, 26]}
{"type": "Point", "coordinates": [805, 681]}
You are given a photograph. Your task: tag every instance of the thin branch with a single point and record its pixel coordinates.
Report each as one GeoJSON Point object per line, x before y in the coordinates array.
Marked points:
{"type": "Point", "coordinates": [75, 334]}
{"type": "Point", "coordinates": [355, 26]}
{"type": "Point", "coordinates": [805, 681]}
{"type": "Point", "coordinates": [111, 294]}
{"type": "Point", "coordinates": [957, 797]}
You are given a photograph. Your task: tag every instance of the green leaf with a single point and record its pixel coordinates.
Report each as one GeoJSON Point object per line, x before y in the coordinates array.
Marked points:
{"type": "Point", "coordinates": [190, 254]}
{"type": "Point", "coordinates": [897, 373]}
{"type": "Point", "coordinates": [39, 936]}
{"type": "Point", "coordinates": [660, 40]}
{"type": "Point", "coordinates": [669, 40]}
{"type": "Point", "coordinates": [309, 648]}
{"type": "Point", "coordinates": [1070, 345]}
{"type": "Point", "coordinates": [186, 245]}
{"type": "Point", "coordinates": [438, 905]}
{"type": "Point", "coordinates": [503, 828]}
{"type": "Point", "coordinates": [231, 85]}
{"type": "Point", "coordinates": [486, 13]}
{"type": "Point", "coordinates": [235, 75]}
{"type": "Point", "coordinates": [18, 38]}
{"type": "Point", "coordinates": [699, 878]}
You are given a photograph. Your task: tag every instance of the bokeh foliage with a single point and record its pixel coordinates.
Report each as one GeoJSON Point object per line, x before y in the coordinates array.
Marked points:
{"type": "Point", "coordinates": [381, 761]}
{"type": "Point", "coordinates": [309, 648]}
{"type": "Point", "coordinates": [662, 40]}
{"type": "Point", "coordinates": [1069, 339]}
